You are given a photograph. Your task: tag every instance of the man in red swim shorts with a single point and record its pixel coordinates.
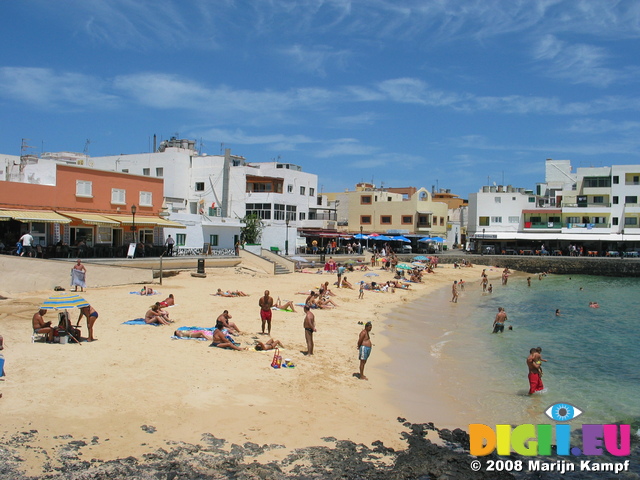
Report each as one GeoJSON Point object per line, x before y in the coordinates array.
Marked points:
{"type": "Point", "coordinates": [266, 303]}
{"type": "Point", "coordinates": [535, 376]}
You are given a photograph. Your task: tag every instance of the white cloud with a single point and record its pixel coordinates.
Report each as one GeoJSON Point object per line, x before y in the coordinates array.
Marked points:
{"type": "Point", "coordinates": [50, 89]}
{"type": "Point", "coordinates": [316, 59]}
{"type": "Point", "coordinates": [240, 137]}
{"type": "Point", "coordinates": [345, 146]}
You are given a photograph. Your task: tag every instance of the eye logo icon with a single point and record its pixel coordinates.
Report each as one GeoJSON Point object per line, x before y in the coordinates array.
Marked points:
{"type": "Point", "coordinates": [562, 412]}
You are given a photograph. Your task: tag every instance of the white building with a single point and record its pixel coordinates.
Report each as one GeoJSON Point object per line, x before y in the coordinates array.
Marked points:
{"type": "Point", "coordinates": [210, 194]}
{"type": "Point", "coordinates": [594, 207]}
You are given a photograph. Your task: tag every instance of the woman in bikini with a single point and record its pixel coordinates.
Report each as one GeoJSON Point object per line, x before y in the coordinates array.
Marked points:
{"type": "Point", "coordinates": [92, 316]}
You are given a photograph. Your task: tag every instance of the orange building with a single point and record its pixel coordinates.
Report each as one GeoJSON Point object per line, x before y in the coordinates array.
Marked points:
{"type": "Point", "coordinates": [87, 209]}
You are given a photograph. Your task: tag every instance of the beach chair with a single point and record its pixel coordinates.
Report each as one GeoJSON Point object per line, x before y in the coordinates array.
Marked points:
{"type": "Point", "coordinates": [64, 324]}
{"type": "Point", "coordinates": [38, 337]}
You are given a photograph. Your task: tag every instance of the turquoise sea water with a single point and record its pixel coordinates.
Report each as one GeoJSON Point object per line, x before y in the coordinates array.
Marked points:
{"type": "Point", "coordinates": [446, 351]}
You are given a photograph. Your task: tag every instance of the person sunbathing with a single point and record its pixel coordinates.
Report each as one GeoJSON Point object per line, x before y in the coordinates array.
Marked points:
{"type": "Point", "coordinates": [223, 319]}
{"type": "Point", "coordinates": [147, 290]}
{"type": "Point", "coordinates": [206, 334]}
{"type": "Point", "coordinates": [237, 293]}
{"type": "Point", "coordinates": [164, 313]}
{"type": "Point", "coordinates": [346, 284]}
{"type": "Point", "coordinates": [325, 287]}
{"type": "Point", "coordinates": [168, 302]}
{"type": "Point", "coordinates": [323, 301]}
{"type": "Point", "coordinates": [285, 306]}
{"type": "Point", "coordinates": [220, 340]}
{"type": "Point", "coordinates": [269, 345]}
{"type": "Point", "coordinates": [153, 315]}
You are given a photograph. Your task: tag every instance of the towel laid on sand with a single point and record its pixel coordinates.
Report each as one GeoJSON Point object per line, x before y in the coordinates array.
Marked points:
{"type": "Point", "coordinates": [138, 293]}
{"type": "Point", "coordinates": [139, 321]}
{"type": "Point", "coordinates": [192, 328]}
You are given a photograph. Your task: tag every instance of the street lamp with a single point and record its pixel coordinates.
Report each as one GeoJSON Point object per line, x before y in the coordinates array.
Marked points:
{"type": "Point", "coordinates": [482, 243]}
{"type": "Point", "coordinates": [360, 242]}
{"type": "Point", "coordinates": [133, 223]}
{"type": "Point", "coordinates": [286, 242]}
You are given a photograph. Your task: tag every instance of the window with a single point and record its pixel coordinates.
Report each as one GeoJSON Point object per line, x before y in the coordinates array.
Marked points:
{"type": "Point", "coordinates": [573, 219]}
{"type": "Point", "coordinates": [385, 219]}
{"type": "Point", "coordinates": [159, 171]}
{"type": "Point", "coordinates": [302, 216]}
{"type": "Point", "coordinates": [535, 219]}
{"type": "Point", "coordinates": [498, 199]}
{"type": "Point", "coordinates": [483, 221]}
{"type": "Point", "coordinates": [199, 186]}
{"type": "Point", "coordinates": [215, 211]}
{"type": "Point", "coordinates": [289, 188]}
{"type": "Point", "coordinates": [146, 171]}
{"type": "Point", "coordinates": [278, 212]}
{"type": "Point", "coordinates": [616, 180]}
{"type": "Point", "coordinates": [213, 240]}
{"type": "Point", "coordinates": [554, 219]}
{"type": "Point", "coordinates": [125, 170]}
{"type": "Point", "coordinates": [514, 219]}
{"type": "Point", "coordinates": [118, 196]}
{"type": "Point", "coordinates": [146, 199]}
{"type": "Point", "coordinates": [532, 199]}
{"type": "Point", "coordinates": [291, 212]}
{"type": "Point", "coordinates": [599, 220]}
{"type": "Point", "coordinates": [496, 219]}
{"type": "Point", "coordinates": [388, 199]}
{"type": "Point", "coordinates": [181, 239]}
{"type": "Point", "coordinates": [597, 182]}
{"type": "Point", "coordinates": [615, 200]}
{"type": "Point", "coordinates": [423, 221]}
{"type": "Point", "coordinates": [262, 210]}
{"type": "Point", "coordinates": [104, 234]}
{"type": "Point", "coordinates": [146, 236]}
{"type": "Point", "coordinates": [365, 219]}
{"type": "Point", "coordinates": [614, 220]}
{"type": "Point", "coordinates": [630, 199]}
{"type": "Point", "coordinates": [598, 199]}
{"type": "Point", "coordinates": [83, 188]}
{"type": "Point", "coordinates": [630, 221]}
{"type": "Point", "coordinates": [312, 192]}
{"type": "Point", "coordinates": [303, 190]}
{"type": "Point", "coordinates": [365, 200]}
{"type": "Point", "coordinates": [407, 219]}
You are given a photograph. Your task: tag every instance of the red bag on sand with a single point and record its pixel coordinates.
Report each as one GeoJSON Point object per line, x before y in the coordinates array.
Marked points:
{"type": "Point", "coordinates": [277, 359]}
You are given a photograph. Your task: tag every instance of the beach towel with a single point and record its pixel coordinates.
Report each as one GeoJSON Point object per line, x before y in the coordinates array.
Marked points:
{"type": "Point", "coordinates": [138, 293]}
{"type": "Point", "coordinates": [77, 278]}
{"type": "Point", "coordinates": [139, 321]}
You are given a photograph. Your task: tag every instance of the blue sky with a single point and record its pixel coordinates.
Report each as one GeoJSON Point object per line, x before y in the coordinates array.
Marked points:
{"type": "Point", "coordinates": [400, 92]}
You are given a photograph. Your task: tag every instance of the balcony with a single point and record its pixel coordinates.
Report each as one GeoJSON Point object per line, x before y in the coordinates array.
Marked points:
{"type": "Point", "coordinates": [543, 225]}
{"type": "Point", "coordinates": [586, 205]}
{"type": "Point", "coordinates": [588, 225]}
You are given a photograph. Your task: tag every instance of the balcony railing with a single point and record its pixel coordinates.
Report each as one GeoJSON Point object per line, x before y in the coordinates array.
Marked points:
{"type": "Point", "coordinates": [585, 205]}
{"type": "Point", "coordinates": [588, 225]}
{"type": "Point", "coordinates": [543, 224]}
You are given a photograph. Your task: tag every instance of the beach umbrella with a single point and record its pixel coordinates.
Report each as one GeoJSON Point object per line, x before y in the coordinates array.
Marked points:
{"type": "Point", "coordinates": [400, 238]}
{"type": "Point", "coordinates": [384, 238]}
{"type": "Point", "coordinates": [425, 240]}
{"type": "Point", "coordinates": [404, 266]}
{"type": "Point", "coordinates": [437, 239]}
{"type": "Point", "coordinates": [61, 302]}
{"type": "Point", "coordinates": [300, 259]}
{"type": "Point", "coordinates": [371, 274]}
{"type": "Point", "coordinates": [419, 257]}
{"type": "Point", "coordinates": [361, 236]}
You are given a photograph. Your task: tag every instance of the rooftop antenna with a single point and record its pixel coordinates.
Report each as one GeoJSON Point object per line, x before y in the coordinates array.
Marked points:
{"type": "Point", "coordinates": [86, 147]}
{"type": "Point", "coordinates": [200, 147]}
{"type": "Point", "coordinates": [221, 147]}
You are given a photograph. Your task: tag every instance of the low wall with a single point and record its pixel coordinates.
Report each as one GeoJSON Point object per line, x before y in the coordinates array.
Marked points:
{"type": "Point", "coordinates": [24, 274]}
{"type": "Point", "coordinates": [255, 261]}
{"type": "Point", "coordinates": [611, 267]}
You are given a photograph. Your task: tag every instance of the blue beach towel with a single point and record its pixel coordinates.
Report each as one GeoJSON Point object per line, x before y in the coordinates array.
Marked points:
{"type": "Point", "coordinates": [139, 321]}
{"type": "Point", "coordinates": [138, 293]}
{"type": "Point", "coordinates": [191, 328]}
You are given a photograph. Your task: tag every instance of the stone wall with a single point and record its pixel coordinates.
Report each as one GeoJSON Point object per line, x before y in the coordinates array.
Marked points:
{"type": "Point", "coordinates": [612, 267]}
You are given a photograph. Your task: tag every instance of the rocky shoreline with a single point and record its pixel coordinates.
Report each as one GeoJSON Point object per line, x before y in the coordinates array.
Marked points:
{"type": "Point", "coordinates": [215, 459]}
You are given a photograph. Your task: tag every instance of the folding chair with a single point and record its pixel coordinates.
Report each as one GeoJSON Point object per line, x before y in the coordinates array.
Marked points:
{"type": "Point", "coordinates": [38, 337]}
{"type": "Point", "coordinates": [64, 323]}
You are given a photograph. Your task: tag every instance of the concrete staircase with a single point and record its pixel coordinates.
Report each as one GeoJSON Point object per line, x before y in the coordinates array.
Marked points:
{"type": "Point", "coordinates": [280, 269]}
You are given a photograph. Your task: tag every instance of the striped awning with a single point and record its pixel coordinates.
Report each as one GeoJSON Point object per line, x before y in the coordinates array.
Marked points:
{"type": "Point", "coordinates": [4, 217]}
{"type": "Point", "coordinates": [90, 218]}
{"type": "Point", "coordinates": [26, 216]}
{"type": "Point", "coordinates": [145, 221]}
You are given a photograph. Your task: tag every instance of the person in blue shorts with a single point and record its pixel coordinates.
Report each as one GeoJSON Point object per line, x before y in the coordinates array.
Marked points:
{"type": "Point", "coordinates": [364, 348]}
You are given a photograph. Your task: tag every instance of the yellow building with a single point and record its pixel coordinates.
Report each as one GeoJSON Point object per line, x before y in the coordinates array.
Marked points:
{"type": "Point", "coordinates": [385, 210]}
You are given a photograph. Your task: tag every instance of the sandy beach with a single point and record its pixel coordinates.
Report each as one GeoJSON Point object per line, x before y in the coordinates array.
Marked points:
{"type": "Point", "coordinates": [136, 389]}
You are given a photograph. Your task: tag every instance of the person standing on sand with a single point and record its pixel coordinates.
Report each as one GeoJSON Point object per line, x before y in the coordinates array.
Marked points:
{"type": "Point", "coordinates": [1, 359]}
{"type": "Point", "coordinates": [364, 348]}
{"type": "Point", "coordinates": [535, 378]}
{"type": "Point", "coordinates": [91, 315]}
{"type": "Point", "coordinates": [266, 303]}
{"type": "Point", "coordinates": [309, 325]}
{"type": "Point", "coordinates": [454, 292]}
{"type": "Point", "coordinates": [79, 276]}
